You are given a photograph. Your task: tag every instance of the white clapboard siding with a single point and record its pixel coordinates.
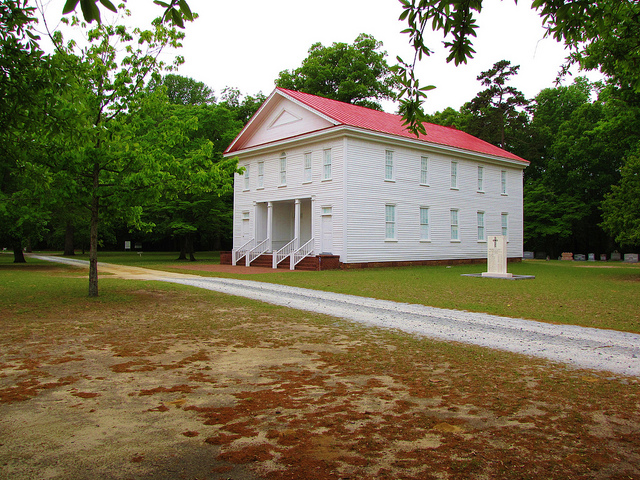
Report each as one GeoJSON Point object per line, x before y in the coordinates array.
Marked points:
{"type": "Point", "coordinates": [368, 193]}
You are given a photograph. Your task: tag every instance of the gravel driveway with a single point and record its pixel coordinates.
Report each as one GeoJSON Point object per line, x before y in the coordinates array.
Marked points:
{"type": "Point", "coordinates": [608, 350]}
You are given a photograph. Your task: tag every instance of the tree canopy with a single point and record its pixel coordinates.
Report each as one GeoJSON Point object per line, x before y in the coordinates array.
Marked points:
{"type": "Point", "coordinates": [600, 35]}
{"type": "Point", "coordinates": [355, 73]}
{"type": "Point", "coordinates": [183, 90]}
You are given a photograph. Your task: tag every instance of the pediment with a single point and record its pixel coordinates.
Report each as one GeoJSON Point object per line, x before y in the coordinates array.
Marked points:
{"type": "Point", "coordinates": [279, 118]}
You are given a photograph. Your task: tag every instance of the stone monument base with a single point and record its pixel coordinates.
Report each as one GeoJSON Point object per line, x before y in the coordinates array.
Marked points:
{"type": "Point", "coordinates": [503, 277]}
{"type": "Point", "coordinates": [497, 275]}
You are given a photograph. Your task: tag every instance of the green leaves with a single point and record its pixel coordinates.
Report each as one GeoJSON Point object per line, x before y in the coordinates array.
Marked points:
{"type": "Point", "coordinates": [176, 11]}
{"type": "Point", "coordinates": [90, 10]}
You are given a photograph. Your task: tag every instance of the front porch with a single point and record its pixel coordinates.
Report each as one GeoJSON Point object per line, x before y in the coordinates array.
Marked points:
{"type": "Point", "coordinates": [277, 231]}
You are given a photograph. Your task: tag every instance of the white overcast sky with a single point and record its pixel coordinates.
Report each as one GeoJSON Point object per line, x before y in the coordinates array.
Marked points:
{"type": "Point", "coordinates": [246, 43]}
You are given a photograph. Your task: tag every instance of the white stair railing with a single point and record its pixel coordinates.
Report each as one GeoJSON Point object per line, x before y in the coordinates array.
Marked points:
{"type": "Point", "coordinates": [297, 256]}
{"type": "Point", "coordinates": [284, 252]}
{"type": "Point", "coordinates": [238, 253]}
{"type": "Point", "coordinates": [256, 251]}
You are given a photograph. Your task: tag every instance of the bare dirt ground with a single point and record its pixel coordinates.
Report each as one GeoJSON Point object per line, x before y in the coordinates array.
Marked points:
{"type": "Point", "coordinates": [183, 384]}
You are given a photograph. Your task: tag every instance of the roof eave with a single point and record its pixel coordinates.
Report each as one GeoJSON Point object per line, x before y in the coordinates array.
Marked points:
{"type": "Point", "coordinates": [387, 137]}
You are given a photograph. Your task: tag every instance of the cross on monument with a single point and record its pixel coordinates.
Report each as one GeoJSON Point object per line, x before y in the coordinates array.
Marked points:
{"type": "Point", "coordinates": [495, 242]}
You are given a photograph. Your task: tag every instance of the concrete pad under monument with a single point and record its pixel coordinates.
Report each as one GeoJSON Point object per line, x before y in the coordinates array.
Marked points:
{"type": "Point", "coordinates": [497, 261]}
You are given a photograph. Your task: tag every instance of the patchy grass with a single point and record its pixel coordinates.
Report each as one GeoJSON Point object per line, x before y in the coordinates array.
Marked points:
{"type": "Point", "coordinates": [595, 295]}
{"type": "Point", "coordinates": [162, 381]}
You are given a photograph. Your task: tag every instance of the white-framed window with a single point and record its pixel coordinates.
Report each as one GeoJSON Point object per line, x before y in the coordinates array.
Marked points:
{"type": "Point", "coordinates": [424, 224]}
{"type": "Point", "coordinates": [481, 232]}
{"type": "Point", "coordinates": [283, 168]}
{"type": "Point", "coordinates": [454, 175]}
{"type": "Point", "coordinates": [424, 170]}
{"type": "Point", "coordinates": [247, 171]}
{"type": "Point", "coordinates": [503, 182]}
{"type": "Point", "coordinates": [455, 226]}
{"type": "Point", "coordinates": [260, 174]}
{"type": "Point", "coordinates": [307, 167]}
{"type": "Point", "coordinates": [389, 173]}
{"type": "Point", "coordinates": [504, 219]}
{"type": "Point", "coordinates": [246, 215]}
{"type": "Point", "coordinates": [326, 211]}
{"type": "Point", "coordinates": [480, 178]}
{"type": "Point", "coordinates": [326, 164]}
{"type": "Point", "coordinates": [390, 221]}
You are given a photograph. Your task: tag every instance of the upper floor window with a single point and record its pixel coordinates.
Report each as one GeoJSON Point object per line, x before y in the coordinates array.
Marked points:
{"type": "Point", "coordinates": [503, 182]}
{"type": "Point", "coordinates": [390, 222]}
{"type": "Point", "coordinates": [424, 223]}
{"type": "Point", "coordinates": [455, 227]}
{"type": "Point", "coordinates": [480, 179]}
{"type": "Point", "coordinates": [307, 167]}
{"type": "Point", "coordinates": [454, 174]}
{"type": "Point", "coordinates": [260, 174]}
{"type": "Point", "coordinates": [247, 171]}
{"type": "Point", "coordinates": [424, 171]}
{"type": "Point", "coordinates": [327, 211]}
{"type": "Point", "coordinates": [326, 164]}
{"type": "Point", "coordinates": [283, 168]}
{"type": "Point", "coordinates": [481, 233]}
{"type": "Point", "coordinates": [388, 165]}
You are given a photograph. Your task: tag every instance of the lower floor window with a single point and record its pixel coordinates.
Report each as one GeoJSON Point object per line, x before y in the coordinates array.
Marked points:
{"type": "Point", "coordinates": [455, 232]}
{"type": "Point", "coordinates": [505, 224]}
{"type": "Point", "coordinates": [390, 222]}
{"type": "Point", "coordinates": [424, 223]}
{"type": "Point", "coordinates": [481, 234]}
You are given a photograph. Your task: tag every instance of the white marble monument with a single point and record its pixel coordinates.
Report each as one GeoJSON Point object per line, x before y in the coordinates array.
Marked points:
{"type": "Point", "coordinates": [497, 257]}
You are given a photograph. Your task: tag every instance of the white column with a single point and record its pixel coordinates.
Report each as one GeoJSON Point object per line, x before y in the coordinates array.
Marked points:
{"type": "Point", "coordinates": [297, 224]}
{"type": "Point", "coordinates": [313, 223]}
{"type": "Point", "coordinates": [270, 226]}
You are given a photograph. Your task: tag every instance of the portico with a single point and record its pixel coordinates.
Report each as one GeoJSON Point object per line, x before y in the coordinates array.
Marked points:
{"type": "Point", "coordinates": [282, 228]}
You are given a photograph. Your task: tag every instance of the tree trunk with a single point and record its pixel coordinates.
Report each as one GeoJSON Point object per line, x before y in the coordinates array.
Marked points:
{"type": "Point", "coordinates": [68, 240]}
{"type": "Point", "coordinates": [18, 255]}
{"type": "Point", "coordinates": [93, 236]}
{"type": "Point", "coordinates": [189, 245]}
{"type": "Point", "coordinates": [183, 248]}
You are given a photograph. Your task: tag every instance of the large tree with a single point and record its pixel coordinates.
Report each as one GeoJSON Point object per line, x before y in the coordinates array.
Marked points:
{"type": "Point", "coordinates": [108, 164]}
{"type": "Point", "coordinates": [498, 112]}
{"type": "Point", "coordinates": [621, 206]}
{"type": "Point", "coordinates": [355, 73]}
{"type": "Point", "coordinates": [192, 203]}
{"type": "Point", "coordinates": [32, 87]}
{"type": "Point", "coordinates": [182, 90]}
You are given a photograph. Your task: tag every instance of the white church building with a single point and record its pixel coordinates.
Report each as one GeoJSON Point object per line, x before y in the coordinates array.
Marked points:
{"type": "Point", "coordinates": [329, 184]}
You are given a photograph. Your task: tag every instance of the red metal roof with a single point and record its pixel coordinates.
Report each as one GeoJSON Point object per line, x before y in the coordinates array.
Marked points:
{"type": "Point", "coordinates": [382, 122]}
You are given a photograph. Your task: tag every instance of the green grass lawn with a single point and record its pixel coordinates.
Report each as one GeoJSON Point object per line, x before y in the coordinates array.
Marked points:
{"type": "Point", "coordinates": [601, 295]}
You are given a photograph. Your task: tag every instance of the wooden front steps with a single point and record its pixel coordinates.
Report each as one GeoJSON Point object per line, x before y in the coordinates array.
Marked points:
{"type": "Point", "coordinates": [312, 263]}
